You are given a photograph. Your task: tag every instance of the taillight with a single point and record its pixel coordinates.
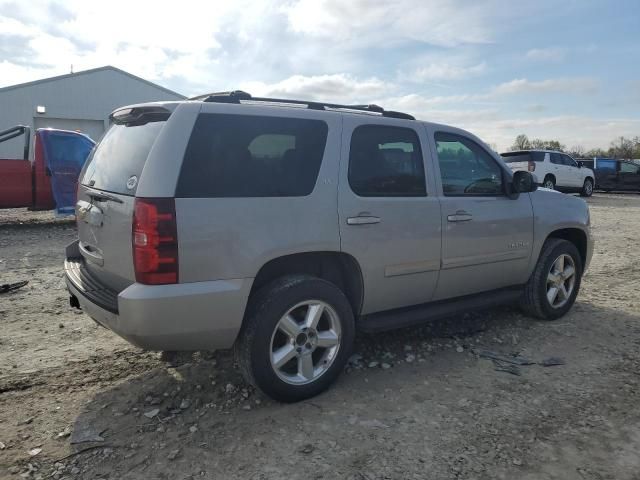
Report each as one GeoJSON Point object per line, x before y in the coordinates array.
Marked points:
{"type": "Point", "coordinates": [155, 241]}
{"type": "Point", "coordinates": [532, 166]}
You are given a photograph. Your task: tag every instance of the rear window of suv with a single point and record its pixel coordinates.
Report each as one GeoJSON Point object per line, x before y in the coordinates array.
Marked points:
{"type": "Point", "coordinates": [518, 157]}
{"type": "Point", "coordinates": [120, 156]}
{"type": "Point", "coordinates": [252, 156]}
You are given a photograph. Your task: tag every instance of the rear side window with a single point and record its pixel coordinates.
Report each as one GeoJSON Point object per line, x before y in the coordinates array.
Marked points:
{"type": "Point", "coordinates": [522, 157]}
{"type": "Point", "coordinates": [117, 161]}
{"type": "Point", "coordinates": [386, 162]}
{"type": "Point", "coordinates": [556, 159]}
{"type": "Point", "coordinates": [252, 156]}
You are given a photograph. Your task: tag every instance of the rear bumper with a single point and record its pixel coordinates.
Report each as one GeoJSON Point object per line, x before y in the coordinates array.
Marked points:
{"type": "Point", "coordinates": [188, 316]}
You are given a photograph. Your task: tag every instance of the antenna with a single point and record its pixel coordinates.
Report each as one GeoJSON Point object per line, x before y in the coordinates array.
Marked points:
{"type": "Point", "coordinates": [72, 68]}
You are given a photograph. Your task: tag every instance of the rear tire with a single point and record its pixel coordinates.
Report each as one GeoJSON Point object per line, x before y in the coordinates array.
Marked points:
{"type": "Point", "coordinates": [587, 188]}
{"type": "Point", "coordinates": [552, 288]}
{"type": "Point", "coordinates": [549, 182]}
{"type": "Point", "coordinates": [297, 336]}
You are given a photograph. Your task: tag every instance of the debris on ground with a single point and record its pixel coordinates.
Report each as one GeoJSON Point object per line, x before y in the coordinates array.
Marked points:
{"type": "Point", "coordinates": [152, 413]}
{"type": "Point", "coordinates": [506, 367]}
{"type": "Point", "coordinates": [510, 364]}
{"type": "Point", "coordinates": [34, 451]}
{"type": "Point", "coordinates": [86, 433]}
{"type": "Point", "coordinates": [514, 359]}
{"type": "Point", "coordinates": [354, 360]}
{"type": "Point", "coordinates": [64, 433]}
{"type": "Point", "coordinates": [10, 287]}
{"type": "Point", "coordinates": [552, 362]}
{"type": "Point", "coordinates": [307, 448]}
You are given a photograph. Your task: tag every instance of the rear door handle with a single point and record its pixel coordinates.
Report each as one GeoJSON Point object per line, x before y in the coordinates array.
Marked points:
{"type": "Point", "coordinates": [459, 216]}
{"type": "Point", "coordinates": [363, 220]}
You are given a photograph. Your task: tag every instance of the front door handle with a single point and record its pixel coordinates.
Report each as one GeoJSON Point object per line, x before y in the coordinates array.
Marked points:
{"type": "Point", "coordinates": [363, 220]}
{"type": "Point", "coordinates": [459, 216]}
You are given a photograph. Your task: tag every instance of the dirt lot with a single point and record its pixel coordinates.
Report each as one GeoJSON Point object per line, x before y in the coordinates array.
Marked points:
{"type": "Point", "coordinates": [418, 403]}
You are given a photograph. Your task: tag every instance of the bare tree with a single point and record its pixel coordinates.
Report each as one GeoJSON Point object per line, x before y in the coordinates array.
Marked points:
{"type": "Point", "coordinates": [547, 145]}
{"type": "Point", "coordinates": [622, 147]}
{"type": "Point", "coordinates": [577, 151]}
{"type": "Point", "coordinates": [521, 143]}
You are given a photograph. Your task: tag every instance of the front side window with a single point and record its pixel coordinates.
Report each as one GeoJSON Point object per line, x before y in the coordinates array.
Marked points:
{"type": "Point", "coordinates": [568, 161]}
{"type": "Point", "coordinates": [386, 162]}
{"type": "Point", "coordinates": [628, 168]}
{"type": "Point", "coordinates": [252, 156]}
{"type": "Point", "coordinates": [466, 168]}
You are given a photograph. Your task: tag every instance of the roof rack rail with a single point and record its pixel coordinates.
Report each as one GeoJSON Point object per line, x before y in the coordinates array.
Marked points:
{"type": "Point", "coordinates": [238, 96]}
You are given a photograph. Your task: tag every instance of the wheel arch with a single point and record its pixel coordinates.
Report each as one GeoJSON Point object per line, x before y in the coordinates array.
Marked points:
{"type": "Point", "coordinates": [576, 236]}
{"type": "Point", "coordinates": [338, 268]}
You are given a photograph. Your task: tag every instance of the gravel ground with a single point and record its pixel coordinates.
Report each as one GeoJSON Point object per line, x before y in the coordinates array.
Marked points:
{"type": "Point", "coordinates": [78, 402]}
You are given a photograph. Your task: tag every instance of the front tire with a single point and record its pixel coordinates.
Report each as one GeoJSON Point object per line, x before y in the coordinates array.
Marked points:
{"type": "Point", "coordinates": [587, 188]}
{"type": "Point", "coordinates": [297, 337]}
{"type": "Point", "coordinates": [554, 285]}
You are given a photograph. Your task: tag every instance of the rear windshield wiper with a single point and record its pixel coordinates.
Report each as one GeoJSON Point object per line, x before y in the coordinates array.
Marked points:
{"type": "Point", "coordinates": [102, 196]}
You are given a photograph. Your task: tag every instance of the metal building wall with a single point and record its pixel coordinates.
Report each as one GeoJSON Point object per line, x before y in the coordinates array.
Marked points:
{"type": "Point", "coordinates": [88, 97]}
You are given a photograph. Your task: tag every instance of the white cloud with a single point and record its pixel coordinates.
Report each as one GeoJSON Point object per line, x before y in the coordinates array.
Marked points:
{"type": "Point", "coordinates": [553, 85]}
{"type": "Point", "coordinates": [337, 88]}
{"type": "Point", "coordinates": [445, 71]}
{"type": "Point", "coordinates": [440, 22]}
{"type": "Point", "coordinates": [550, 54]}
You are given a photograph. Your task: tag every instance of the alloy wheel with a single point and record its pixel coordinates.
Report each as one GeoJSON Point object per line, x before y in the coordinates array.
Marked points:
{"type": "Point", "coordinates": [305, 342]}
{"type": "Point", "coordinates": [561, 281]}
{"type": "Point", "coordinates": [588, 187]}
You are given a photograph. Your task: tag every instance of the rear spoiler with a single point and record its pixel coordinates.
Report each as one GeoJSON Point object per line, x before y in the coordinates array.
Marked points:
{"type": "Point", "coordinates": [131, 116]}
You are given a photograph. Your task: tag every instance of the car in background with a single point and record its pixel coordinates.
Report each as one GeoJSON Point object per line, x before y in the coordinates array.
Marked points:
{"type": "Point", "coordinates": [553, 170]}
{"type": "Point", "coordinates": [613, 174]}
{"type": "Point", "coordinates": [46, 176]}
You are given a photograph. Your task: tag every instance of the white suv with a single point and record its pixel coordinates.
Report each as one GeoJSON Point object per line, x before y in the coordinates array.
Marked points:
{"type": "Point", "coordinates": [553, 170]}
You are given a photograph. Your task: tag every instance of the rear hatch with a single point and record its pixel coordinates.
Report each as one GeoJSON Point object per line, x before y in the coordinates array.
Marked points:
{"type": "Point", "coordinates": [106, 194]}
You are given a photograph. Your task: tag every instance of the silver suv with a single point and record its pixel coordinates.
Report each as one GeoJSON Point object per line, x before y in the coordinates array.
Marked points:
{"type": "Point", "coordinates": [280, 227]}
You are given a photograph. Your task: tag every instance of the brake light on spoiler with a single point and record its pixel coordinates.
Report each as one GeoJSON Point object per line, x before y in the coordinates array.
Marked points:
{"type": "Point", "coordinates": [155, 241]}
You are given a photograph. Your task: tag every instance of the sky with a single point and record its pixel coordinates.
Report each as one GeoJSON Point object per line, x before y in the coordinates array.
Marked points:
{"type": "Point", "coordinates": [566, 70]}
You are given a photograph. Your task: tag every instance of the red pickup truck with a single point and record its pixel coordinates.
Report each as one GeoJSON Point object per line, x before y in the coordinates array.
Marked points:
{"type": "Point", "coordinates": [47, 179]}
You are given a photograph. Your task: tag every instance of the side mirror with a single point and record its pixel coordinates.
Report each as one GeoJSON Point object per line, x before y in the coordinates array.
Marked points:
{"type": "Point", "coordinates": [580, 164]}
{"type": "Point", "coordinates": [523, 182]}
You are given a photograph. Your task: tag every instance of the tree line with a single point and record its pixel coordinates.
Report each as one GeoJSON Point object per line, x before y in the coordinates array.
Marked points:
{"type": "Point", "coordinates": [621, 147]}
